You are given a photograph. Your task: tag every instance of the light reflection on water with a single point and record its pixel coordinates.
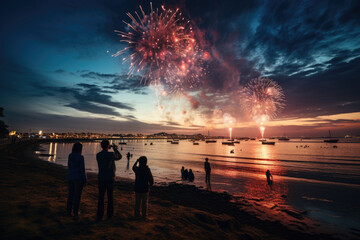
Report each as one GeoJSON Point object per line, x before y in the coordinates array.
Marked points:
{"type": "Point", "coordinates": [303, 175]}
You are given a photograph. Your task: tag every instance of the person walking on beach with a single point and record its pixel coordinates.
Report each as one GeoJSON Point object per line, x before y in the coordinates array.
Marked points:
{"type": "Point", "coordinates": [77, 179]}
{"type": "Point", "coordinates": [269, 177]}
{"type": "Point", "coordinates": [106, 164]}
{"type": "Point", "coordinates": [207, 170]}
{"type": "Point", "coordinates": [128, 156]}
{"type": "Point", "coordinates": [143, 181]}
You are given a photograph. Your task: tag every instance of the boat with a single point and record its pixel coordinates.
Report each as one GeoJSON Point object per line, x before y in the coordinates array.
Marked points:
{"type": "Point", "coordinates": [228, 143]}
{"type": "Point", "coordinates": [283, 139]}
{"type": "Point", "coordinates": [174, 142]}
{"type": "Point", "coordinates": [252, 139]}
{"type": "Point", "coordinates": [268, 142]}
{"type": "Point", "coordinates": [169, 140]}
{"type": "Point", "coordinates": [195, 143]}
{"type": "Point", "coordinates": [236, 142]}
{"type": "Point", "coordinates": [122, 143]}
{"type": "Point", "coordinates": [331, 140]}
{"type": "Point", "coordinates": [210, 141]}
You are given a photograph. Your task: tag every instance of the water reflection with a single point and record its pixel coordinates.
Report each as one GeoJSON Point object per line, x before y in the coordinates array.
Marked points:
{"type": "Point", "coordinates": [52, 152]}
{"type": "Point", "coordinates": [244, 172]}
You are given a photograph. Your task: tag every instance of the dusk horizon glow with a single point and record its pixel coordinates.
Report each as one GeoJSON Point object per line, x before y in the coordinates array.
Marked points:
{"type": "Point", "coordinates": [58, 73]}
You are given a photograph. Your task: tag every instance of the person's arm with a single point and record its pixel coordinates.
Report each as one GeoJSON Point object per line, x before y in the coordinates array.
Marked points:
{"type": "Point", "coordinates": [151, 179]}
{"type": "Point", "coordinates": [117, 154]}
{"type": "Point", "coordinates": [134, 168]}
{"type": "Point", "coordinates": [82, 169]}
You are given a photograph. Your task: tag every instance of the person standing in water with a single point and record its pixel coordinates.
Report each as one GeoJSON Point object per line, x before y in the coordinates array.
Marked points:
{"type": "Point", "coordinates": [207, 170]}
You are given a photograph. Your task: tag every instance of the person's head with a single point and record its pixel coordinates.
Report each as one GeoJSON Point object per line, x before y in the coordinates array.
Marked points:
{"type": "Point", "coordinates": [206, 159]}
{"type": "Point", "coordinates": [182, 167]}
{"type": "Point", "coordinates": [77, 148]}
{"type": "Point", "coordinates": [190, 170]}
{"type": "Point", "coordinates": [142, 161]}
{"type": "Point", "coordinates": [105, 144]}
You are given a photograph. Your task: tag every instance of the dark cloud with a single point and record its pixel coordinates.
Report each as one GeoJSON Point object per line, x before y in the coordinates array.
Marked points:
{"type": "Point", "coordinates": [309, 47]}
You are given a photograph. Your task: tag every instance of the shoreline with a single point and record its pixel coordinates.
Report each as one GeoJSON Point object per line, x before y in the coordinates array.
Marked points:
{"type": "Point", "coordinates": [36, 192]}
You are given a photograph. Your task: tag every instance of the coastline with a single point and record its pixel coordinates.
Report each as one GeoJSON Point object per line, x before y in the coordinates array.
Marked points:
{"type": "Point", "coordinates": [35, 192]}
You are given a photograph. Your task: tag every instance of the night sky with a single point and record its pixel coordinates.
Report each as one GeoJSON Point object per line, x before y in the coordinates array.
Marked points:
{"type": "Point", "coordinates": [57, 73]}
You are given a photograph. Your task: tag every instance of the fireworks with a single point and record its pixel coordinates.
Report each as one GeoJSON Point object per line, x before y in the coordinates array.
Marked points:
{"type": "Point", "coordinates": [163, 48]}
{"type": "Point", "coordinates": [263, 99]}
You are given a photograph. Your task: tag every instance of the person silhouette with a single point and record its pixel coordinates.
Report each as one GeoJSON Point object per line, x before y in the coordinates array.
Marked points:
{"type": "Point", "coordinates": [106, 165]}
{"type": "Point", "coordinates": [128, 156]}
{"type": "Point", "coordinates": [269, 178]}
{"type": "Point", "coordinates": [191, 176]}
{"type": "Point", "coordinates": [143, 181]}
{"type": "Point", "coordinates": [182, 173]}
{"type": "Point", "coordinates": [186, 174]}
{"type": "Point", "coordinates": [207, 170]}
{"type": "Point", "coordinates": [77, 179]}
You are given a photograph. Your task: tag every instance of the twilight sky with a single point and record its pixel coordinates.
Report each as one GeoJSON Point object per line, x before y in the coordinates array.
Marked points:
{"type": "Point", "coordinates": [57, 72]}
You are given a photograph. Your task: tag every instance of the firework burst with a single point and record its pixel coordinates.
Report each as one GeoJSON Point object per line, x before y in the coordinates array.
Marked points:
{"type": "Point", "coordinates": [263, 99]}
{"type": "Point", "coordinates": [163, 49]}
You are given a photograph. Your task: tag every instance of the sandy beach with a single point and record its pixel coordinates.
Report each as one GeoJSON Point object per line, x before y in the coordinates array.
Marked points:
{"type": "Point", "coordinates": [34, 193]}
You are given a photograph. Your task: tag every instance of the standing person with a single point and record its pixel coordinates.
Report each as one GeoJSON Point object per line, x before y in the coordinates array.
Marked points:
{"type": "Point", "coordinates": [106, 164]}
{"type": "Point", "coordinates": [128, 156]}
{"type": "Point", "coordinates": [269, 178]}
{"type": "Point", "coordinates": [207, 170]}
{"type": "Point", "coordinates": [77, 179]}
{"type": "Point", "coordinates": [143, 181]}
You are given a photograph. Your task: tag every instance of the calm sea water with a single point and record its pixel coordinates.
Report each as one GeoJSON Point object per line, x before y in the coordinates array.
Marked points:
{"type": "Point", "coordinates": [314, 176]}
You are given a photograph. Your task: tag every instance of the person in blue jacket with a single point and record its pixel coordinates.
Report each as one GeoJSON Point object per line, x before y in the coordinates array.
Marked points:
{"type": "Point", "coordinates": [77, 179]}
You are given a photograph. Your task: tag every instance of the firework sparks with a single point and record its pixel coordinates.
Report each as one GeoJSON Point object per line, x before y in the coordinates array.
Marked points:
{"type": "Point", "coordinates": [163, 48]}
{"type": "Point", "coordinates": [263, 100]}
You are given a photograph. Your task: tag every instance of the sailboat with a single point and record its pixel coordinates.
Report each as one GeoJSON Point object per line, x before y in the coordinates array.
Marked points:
{"type": "Point", "coordinates": [331, 140]}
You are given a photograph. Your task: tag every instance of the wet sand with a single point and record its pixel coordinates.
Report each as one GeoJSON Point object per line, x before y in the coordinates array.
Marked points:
{"type": "Point", "coordinates": [34, 192]}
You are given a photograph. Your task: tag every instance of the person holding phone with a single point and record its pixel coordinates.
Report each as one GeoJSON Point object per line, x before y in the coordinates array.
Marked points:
{"type": "Point", "coordinates": [106, 164]}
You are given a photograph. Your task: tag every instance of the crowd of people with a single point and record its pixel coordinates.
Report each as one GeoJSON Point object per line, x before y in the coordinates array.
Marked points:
{"type": "Point", "coordinates": [77, 179]}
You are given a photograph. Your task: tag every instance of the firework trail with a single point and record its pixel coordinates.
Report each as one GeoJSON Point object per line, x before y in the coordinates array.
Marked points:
{"type": "Point", "coordinates": [163, 48]}
{"type": "Point", "coordinates": [263, 100]}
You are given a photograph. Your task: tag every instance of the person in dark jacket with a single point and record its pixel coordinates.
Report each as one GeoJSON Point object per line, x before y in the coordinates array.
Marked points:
{"type": "Point", "coordinates": [143, 181]}
{"type": "Point", "coordinates": [191, 176]}
{"type": "Point", "coordinates": [182, 173]}
{"type": "Point", "coordinates": [106, 164]}
{"type": "Point", "coordinates": [77, 179]}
